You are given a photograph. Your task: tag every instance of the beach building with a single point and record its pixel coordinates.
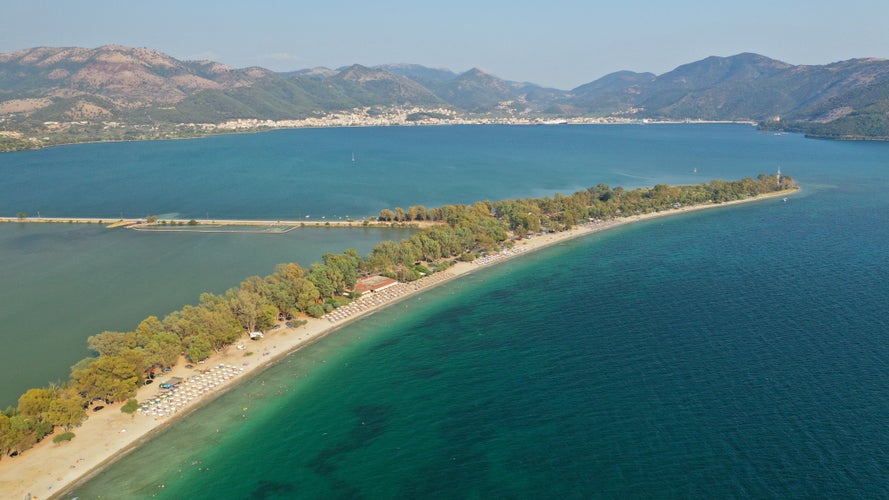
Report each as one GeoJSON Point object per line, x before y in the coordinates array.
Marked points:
{"type": "Point", "coordinates": [374, 283]}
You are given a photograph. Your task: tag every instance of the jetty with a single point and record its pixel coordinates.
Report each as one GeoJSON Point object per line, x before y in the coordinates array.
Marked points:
{"type": "Point", "coordinates": [216, 225]}
{"type": "Point", "coordinates": [110, 221]}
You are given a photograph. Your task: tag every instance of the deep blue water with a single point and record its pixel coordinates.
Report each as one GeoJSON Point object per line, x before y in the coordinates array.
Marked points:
{"type": "Point", "coordinates": [293, 173]}
{"type": "Point", "coordinates": [737, 352]}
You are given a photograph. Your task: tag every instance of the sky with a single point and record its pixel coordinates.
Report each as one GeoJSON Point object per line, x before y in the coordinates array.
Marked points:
{"type": "Point", "coordinates": [554, 43]}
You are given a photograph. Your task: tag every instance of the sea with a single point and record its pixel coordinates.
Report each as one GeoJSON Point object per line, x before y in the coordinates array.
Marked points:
{"type": "Point", "coordinates": [65, 282]}
{"type": "Point", "coordinates": [739, 351]}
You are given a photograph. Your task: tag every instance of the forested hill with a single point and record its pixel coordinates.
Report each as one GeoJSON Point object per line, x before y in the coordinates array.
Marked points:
{"type": "Point", "coordinates": [115, 92]}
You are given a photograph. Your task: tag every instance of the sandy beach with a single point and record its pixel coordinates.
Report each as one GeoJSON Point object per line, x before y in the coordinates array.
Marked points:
{"type": "Point", "coordinates": [49, 469]}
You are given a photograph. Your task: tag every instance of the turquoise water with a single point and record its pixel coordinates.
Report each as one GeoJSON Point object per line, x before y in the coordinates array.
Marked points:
{"type": "Point", "coordinates": [734, 352]}
{"type": "Point", "coordinates": [64, 283]}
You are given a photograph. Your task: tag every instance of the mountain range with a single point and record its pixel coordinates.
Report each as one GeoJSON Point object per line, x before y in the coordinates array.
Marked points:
{"type": "Point", "coordinates": [144, 89]}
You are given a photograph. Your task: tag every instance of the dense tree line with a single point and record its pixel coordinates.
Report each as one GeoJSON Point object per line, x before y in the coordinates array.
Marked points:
{"type": "Point", "coordinates": [557, 213]}
{"type": "Point", "coordinates": [125, 360]}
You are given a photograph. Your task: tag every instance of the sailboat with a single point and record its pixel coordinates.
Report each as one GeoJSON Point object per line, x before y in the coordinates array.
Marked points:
{"type": "Point", "coordinates": [353, 157]}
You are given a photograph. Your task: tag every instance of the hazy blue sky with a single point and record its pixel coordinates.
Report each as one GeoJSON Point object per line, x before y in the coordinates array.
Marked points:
{"type": "Point", "coordinates": [558, 43]}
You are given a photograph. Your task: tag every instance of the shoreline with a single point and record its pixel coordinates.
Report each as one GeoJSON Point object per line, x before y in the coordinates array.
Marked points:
{"type": "Point", "coordinates": [51, 470]}
{"type": "Point", "coordinates": [468, 122]}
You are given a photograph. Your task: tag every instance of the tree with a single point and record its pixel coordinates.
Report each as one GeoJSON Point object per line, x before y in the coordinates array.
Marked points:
{"type": "Point", "coordinates": [83, 364]}
{"type": "Point", "coordinates": [287, 272]}
{"type": "Point", "coordinates": [162, 349]}
{"type": "Point", "coordinates": [148, 329]}
{"type": "Point", "coordinates": [343, 268]}
{"type": "Point", "coordinates": [355, 258]}
{"type": "Point", "coordinates": [268, 315]}
{"type": "Point", "coordinates": [35, 402]}
{"type": "Point", "coordinates": [130, 407]}
{"type": "Point", "coordinates": [306, 294]}
{"type": "Point", "coordinates": [219, 319]}
{"type": "Point", "coordinates": [417, 212]}
{"type": "Point", "coordinates": [282, 296]}
{"type": "Point", "coordinates": [315, 310]}
{"type": "Point", "coordinates": [400, 214]}
{"type": "Point", "coordinates": [246, 307]}
{"type": "Point", "coordinates": [386, 215]}
{"type": "Point", "coordinates": [428, 247]}
{"type": "Point", "coordinates": [256, 285]}
{"type": "Point", "coordinates": [287, 289]}
{"type": "Point", "coordinates": [5, 434]}
{"type": "Point", "coordinates": [384, 255]}
{"type": "Point", "coordinates": [111, 343]}
{"type": "Point", "coordinates": [325, 279]}
{"type": "Point", "coordinates": [112, 378]}
{"type": "Point", "coordinates": [66, 412]}
{"type": "Point", "coordinates": [213, 318]}
{"type": "Point", "coordinates": [20, 436]}
{"type": "Point", "coordinates": [199, 348]}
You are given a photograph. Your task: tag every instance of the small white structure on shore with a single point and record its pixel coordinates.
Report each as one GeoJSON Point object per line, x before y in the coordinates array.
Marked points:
{"type": "Point", "coordinates": [256, 335]}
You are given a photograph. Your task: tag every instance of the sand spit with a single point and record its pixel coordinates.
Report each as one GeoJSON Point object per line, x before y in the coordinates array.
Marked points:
{"type": "Point", "coordinates": [49, 469]}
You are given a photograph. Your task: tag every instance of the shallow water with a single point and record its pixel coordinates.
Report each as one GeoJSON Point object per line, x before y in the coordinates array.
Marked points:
{"type": "Point", "coordinates": [734, 352]}
{"type": "Point", "coordinates": [651, 361]}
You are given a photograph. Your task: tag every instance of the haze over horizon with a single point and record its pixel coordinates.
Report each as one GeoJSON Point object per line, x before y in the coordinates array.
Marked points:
{"type": "Point", "coordinates": [564, 45]}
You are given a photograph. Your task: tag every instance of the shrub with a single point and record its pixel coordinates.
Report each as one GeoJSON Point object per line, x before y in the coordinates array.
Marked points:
{"type": "Point", "coordinates": [67, 436]}
{"type": "Point", "coordinates": [315, 311]}
{"type": "Point", "coordinates": [130, 407]}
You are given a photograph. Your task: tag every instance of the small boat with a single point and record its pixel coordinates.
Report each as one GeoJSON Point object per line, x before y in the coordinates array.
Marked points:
{"type": "Point", "coordinates": [353, 157]}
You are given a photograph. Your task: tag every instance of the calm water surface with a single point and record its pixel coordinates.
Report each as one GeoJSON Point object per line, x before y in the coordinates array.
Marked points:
{"type": "Point", "coordinates": [735, 352]}
{"type": "Point", "coordinates": [65, 282]}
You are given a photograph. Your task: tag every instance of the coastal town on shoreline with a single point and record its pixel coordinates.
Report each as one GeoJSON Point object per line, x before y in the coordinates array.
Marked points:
{"type": "Point", "coordinates": [398, 116]}
{"type": "Point", "coordinates": [58, 133]}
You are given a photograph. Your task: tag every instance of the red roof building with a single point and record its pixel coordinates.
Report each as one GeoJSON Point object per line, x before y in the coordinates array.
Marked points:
{"type": "Point", "coordinates": [373, 284]}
